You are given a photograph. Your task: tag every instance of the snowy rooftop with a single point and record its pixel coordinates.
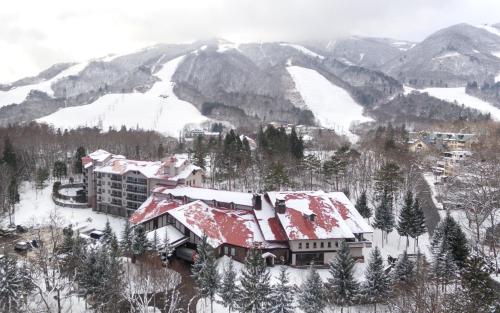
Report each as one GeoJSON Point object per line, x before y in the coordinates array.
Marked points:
{"type": "Point", "coordinates": [234, 227]}
{"type": "Point", "coordinates": [311, 215]}
{"type": "Point", "coordinates": [269, 223]}
{"type": "Point", "coordinates": [97, 156]}
{"type": "Point", "coordinates": [121, 166]}
{"type": "Point", "coordinates": [152, 208]}
{"type": "Point", "coordinates": [175, 237]}
{"type": "Point", "coordinates": [206, 194]}
{"type": "Point", "coordinates": [351, 216]}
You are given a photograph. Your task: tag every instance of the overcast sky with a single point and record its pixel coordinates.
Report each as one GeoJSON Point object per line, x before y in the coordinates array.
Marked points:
{"type": "Point", "coordinates": [36, 34]}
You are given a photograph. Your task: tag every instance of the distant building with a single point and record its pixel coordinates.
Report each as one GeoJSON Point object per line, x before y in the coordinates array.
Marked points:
{"type": "Point", "coordinates": [296, 227]}
{"type": "Point", "coordinates": [445, 140]}
{"type": "Point", "coordinates": [118, 186]}
{"type": "Point", "coordinates": [450, 163]}
{"type": "Point", "coordinates": [417, 145]}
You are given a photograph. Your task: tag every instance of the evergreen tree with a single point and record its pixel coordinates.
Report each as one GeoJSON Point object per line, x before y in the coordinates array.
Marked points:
{"type": "Point", "coordinates": [201, 257]}
{"type": "Point", "coordinates": [140, 242]}
{"type": "Point", "coordinates": [296, 145]}
{"type": "Point", "coordinates": [362, 206]}
{"type": "Point", "coordinates": [127, 238]}
{"type": "Point", "coordinates": [155, 242]}
{"type": "Point", "coordinates": [384, 219]}
{"type": "Point", "coordinates": [376, 286]}
{"type": "Point", "coordinates": [228, 290]}
{"type": "Point", "coordinates": [9, 155]}
{"type": "Point", "coordinates": [199, 152]}
{"type": "Point", "coordinates": [282, 294]}
{"type": "Point", "coordinates": [444, 267]}
{"type": "Point", "coordinates": [80, 153]}
{"type": "Point", "coordinates": [387, 181]}
{"type": "Point", "coordinates": [13, 285]}
{"type": "Point", "coordinates": [277, 177]}
{"type": "Point", "coordinates": [107, 233]}
{"type": "Point", "coordinates": [67, 243]}
{"type": "Point", "coordinates": [449, 236]}
{"type": "Point", "coordinates": [160, 153]}
{"type": "Point", "coordinates": [406, 218]}
{"type": "Point", "coordinates": [342, 285]}
{"type": "Point", "coordinates": [255, 286]}
{"type": "Point", "coordinates": [311, 296]}
{"type": "Point", "coordinates": [418, 227]}
{"type": "Point", "coordinates": [60, 169]}
{"type": "Point", "coordinates": [208, 279]}
{"type": "Point", "coordinates": [403, 271]}
{"type": "Point", "coordinates": [42, 174]}
{"type": "Point", "coordinates": [167, 247]}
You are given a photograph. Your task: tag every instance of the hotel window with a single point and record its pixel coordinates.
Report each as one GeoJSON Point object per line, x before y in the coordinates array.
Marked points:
{"type": "Point", "coordinates": [336, 244]}
{"type": "Point", "coordinates": [300, 245]}
{"type": "Point", "coordinates": [233, 251]}
{"type": "Point", "coordinates": [329, 244]}
{"type": "Point", "coordinates": [226, 250]}
{"type": "Point", "coordinates": [307, 245]}
{"type": "Point", "coordinates": [314, 245]}
{"type": "Point", "coordinates": [322, 245]}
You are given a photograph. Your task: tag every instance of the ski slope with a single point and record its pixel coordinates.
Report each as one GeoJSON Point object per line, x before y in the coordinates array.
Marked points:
{"type": "Point", "coordinates": [158, 109]}
{"type": "Point", "coordinates": [458, 94]}
{"type": "Point", "coordinates": [332, 106]}
{"type": "Point", "coordinates": [302, 49]}
{"type": "Point", "coordinates": [19, 94]}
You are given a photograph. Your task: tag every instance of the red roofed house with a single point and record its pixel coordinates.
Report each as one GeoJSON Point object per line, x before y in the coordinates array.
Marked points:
{"type": "Point", "coordinates": [297, 227]}
{"type": "Point", "coordinates": [118, 186]}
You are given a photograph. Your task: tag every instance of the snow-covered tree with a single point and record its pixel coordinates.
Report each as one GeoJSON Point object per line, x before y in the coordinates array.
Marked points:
{"type": "Point", "coordinates": [384, 218]}
{"type": "Point", "coordinates": [126, 238]}
{"type": "Point", "coordinates": [228, 291]}
{"type": "Point", "coordinates": [444, 267]}
{"type": "Point", "coordinates": [208, 278]}
{"type": "Point", "coordinates": [343, 288]}
{"type": "Point", "coordinates": [449, 236]}
{"type": "Point", "coordinates": [362, 206]}
{"type": "Point", "coordinates": [282, 295]}
{"type": "Point", "coordinates": [140, 242]}
{"type": "Point", "coordinates": [107, 233]}
{"type": "Point", "coordinates": [406, 218]}
{"type": "Point", "coordinates": [403, 270]}
{"type": "Point", "coordinates": [311, 295]}
{"type": "Point", "coordinates": [167, 246]}
{"type": "Point", "coordinates": [255, 284]}
{"type": "Point", "coordinates": [418, 227]}
{"type": "Point", "coordinates": [376, 286]}
{"type": "Point", "coordinates": [13, 285]}
{"type": "Point", "coordinates": [155, 242]}
{"type": "Point", "coordinates": [201, 257]}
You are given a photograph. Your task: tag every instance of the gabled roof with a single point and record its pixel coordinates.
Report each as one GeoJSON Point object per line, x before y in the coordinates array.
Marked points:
{"type": "Point", "coordinates": [206, 194]}
{"type": "Point", "coordinates": [269, 224]}
{"type": "Point", "coordinates": [121, 166]}
{"type": "Point", "coordinates": [222, 226]}
{"type": "Point", "coordinates": [348, 212]}
{"type": "Point", "coordinates": [97, 156]}
{"type": "Point", "coordinates": [326, 223]}
{"type": "Point", "coordinates": [152, 208]}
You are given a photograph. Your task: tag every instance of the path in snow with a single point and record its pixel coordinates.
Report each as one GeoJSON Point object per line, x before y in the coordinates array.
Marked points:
{"type": "Point", "coordinates": [458, 94]}
{"type": "Point", "coordinates": [332, 106]}
{"type": "Point", "coordinates": [19, 94]}
{"type": "Point", "coordinates": [158, 109]}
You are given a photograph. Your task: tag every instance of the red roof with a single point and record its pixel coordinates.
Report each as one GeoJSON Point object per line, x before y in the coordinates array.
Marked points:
{"type": "Point", "coordinates": [152, 208]}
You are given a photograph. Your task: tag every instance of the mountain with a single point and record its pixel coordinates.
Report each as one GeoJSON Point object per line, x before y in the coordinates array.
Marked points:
{"type": "Point", "coordinates": [450, 57]}
{"type": "Point", "coordinates": [206, 81]}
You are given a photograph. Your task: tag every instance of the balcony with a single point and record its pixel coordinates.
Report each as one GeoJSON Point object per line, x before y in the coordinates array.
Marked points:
{"type": "Point", "coordinates": [116, 202]}
{"type": "Point", "coordinates": [137, 181]}
{"type": "Point", "coordinates": [360, 244]}
{"type": "Point", "coordinates": [116, 194]}
{"type": "Point", "coordinates": [116, 186]}
{"type": "Point", "coordinates": [116, 178]}
{"type": "Point", "coordinates": [141, 191]}
{"type": "Point", "coordinates": [136, 199]}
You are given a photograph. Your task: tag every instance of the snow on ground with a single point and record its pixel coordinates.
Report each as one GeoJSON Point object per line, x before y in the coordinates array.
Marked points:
{"type": "Point", "coordinates": [69, 191]}
{"type": "Point", "coordinates": [19, 94]}
{"type": "Point", "coordinates": [448, 55]}
{"type": "Point", "coordinates": [158, 109]}
{"type": "Point", "coordinates": [458, 94]}
{"type": "Point", "coordinates": [331, 105]}
{"type": "Point", "coordinates": [303, 49]}
{"type": "Point", "coordinates": [35, 207]}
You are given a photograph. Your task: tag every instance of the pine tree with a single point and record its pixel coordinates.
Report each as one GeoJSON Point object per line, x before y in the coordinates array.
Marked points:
{"type": "Point", "coordinates": [448, 235]}
{"type": "Point", "coordinates": [160, 152]}
{"type": "Point", "coordinates": [444, 266]}
{"type": "Point", "coordinates": [418, 227]}
{"type": "Point", "coordinates": [155, 242]}
{"type": "Point", "coordinates": [255, 286]}
{"type": "Point", "coordinates": [140, 242]}
{"type": "Point", "coordinates": [200, 152]}
{"type": "Point", "coordinates": [228, 290]}
{"type": "Point", "coordinates": [403, 271]}
{"type": "Point", "coordinates": [60, 169]}
{"type": "Point", "coordinates": [80, 153]}
{"type": "Point", "coordinates": [68, 241]}
{"type": "Point", "coordinates": [208, 278]}
{"type": "Point", "coordinates": [311, 296]}
{"type": "Point", "coordinates": [384, 219]}
{"type": "Point", "coordinates": [201, 257]}
{"type": "Point", "coordinates": [283, 294]}
{"type": "Point", "coordinates": [9, 156]}
{"type": "Point", "coordinates": [107, 233]}
{"type": "Point", "coordinates": [277, 177]}
{"type": "Point", "coordinates": [376, 286]}
{"type": "Point", "coordinates": [296, 145]}
{"type": "Point", "coordinates": [342, 285]}
{"type": "Point", "coordinates": [42, 174]}
{"type": "Point", "coordinates": [167, 247]}
{"type": "Point", "coordinates": [362, 206]}
{"type": "Point", "coordinates": [13, 286]}
{"type": "Point", "coordinates": [127, 238]}
{"type": "Point", "coordinates": [387, 181]}
{"type": "Point", "coordinates": [406, 218]}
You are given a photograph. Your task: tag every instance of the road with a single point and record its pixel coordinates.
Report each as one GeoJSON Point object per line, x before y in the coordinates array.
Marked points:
{"type": "Point", "coordinates": [431, 213]}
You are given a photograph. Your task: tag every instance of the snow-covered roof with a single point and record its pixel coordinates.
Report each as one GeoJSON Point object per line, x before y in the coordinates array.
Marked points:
{"type": "Point", "coordinates": [269, 223]}
{"type": "Point", "coordinates": [206, 194]}
{"type": "Point", "coordinates": [97, 156]}
{"type": "Point", "coordinates": [185, 172]}
{"type": "Point", "coordinates": [351, 216]}
{"type": "Point", "coordinates": [222, 226]}
{"type": "Point", "coordinates": [121, 166]}
{"type": "Point", "coordinates": [152, 208]}
{"type": "Point", "coordinates": [310, 215]}
{"type": "Point", "coordinates": [175, 237]}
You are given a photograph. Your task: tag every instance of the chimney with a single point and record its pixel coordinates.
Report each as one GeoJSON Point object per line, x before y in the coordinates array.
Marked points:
{"type": "Point", "coordinates": [257, 201]}
{"type": "Point", "coordinates": [214, 203]}
{"type": "Point", "coordinates": [280, 206]}
{"type": "Point", "coordinates": [312, 217]}
{"type": "Point", "coordinates": [185, 199]}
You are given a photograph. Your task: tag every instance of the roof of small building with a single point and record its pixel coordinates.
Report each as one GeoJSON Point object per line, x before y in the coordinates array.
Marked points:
{"type": "Point", "coordinates": [206, 194]}
{"type": "Point", "coordinates": [312, 215]}
{"type": "Point", "coordinates": [96, 156]}
{"type": "Point", "coordinates": [222, 226]}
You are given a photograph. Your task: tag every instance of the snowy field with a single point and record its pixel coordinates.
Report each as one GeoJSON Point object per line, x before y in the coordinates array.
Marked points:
{"type": "Point", "coordinates": [459, 95]}
{"type": "Point", "coordinates": [332, 106]}
{"type": "Point", "coordinates": [158, 109]}
{"type": "Point", "coordinates": [35, 208]}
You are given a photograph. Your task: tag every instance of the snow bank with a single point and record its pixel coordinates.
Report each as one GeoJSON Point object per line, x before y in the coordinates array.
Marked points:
{"type": "Point", "coordinates": [159, 109]}
{"type": "Point", "coordinates": [19, 94]}
{"type": "Point", "coordinates": [332, 105]}
{"type": "Point", "coordinates": [458, 94]}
